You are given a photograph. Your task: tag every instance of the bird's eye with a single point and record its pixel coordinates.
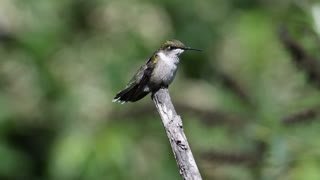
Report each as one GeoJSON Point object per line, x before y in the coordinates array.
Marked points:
{"type": "Point", "coordinates": [170, 48]}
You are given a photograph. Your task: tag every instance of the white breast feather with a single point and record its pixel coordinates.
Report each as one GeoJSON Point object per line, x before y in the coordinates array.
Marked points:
{"type": "Point", "coordinates": [166, 59]}
{"type": "Point", "coordinates": [167, 67]}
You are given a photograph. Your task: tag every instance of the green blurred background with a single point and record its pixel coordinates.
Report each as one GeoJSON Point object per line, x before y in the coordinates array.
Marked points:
{"type": "Point", "coordinates": [249, 101]}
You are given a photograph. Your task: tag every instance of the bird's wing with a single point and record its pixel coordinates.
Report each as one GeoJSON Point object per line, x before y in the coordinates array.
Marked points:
{"type": "Point", "coordinates": [135, 89]}
{"type": "Point", "coordinates": [143, 75]}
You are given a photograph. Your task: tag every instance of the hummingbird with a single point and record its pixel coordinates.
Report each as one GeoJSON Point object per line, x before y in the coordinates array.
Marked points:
{"type": "Point", "coordinates": [157, 72]}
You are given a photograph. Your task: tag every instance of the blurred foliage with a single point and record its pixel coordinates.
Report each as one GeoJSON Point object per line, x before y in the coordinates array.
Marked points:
{"type": "Point", "coordinates": [249, 103]}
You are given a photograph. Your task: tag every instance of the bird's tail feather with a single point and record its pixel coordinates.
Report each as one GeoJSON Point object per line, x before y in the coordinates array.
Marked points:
{"type": "Point", "coordinates": [131, 93]}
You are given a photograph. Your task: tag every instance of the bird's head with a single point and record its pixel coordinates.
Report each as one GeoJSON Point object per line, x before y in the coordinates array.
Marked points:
{"type": "Point", "coordinates": [174, 48]}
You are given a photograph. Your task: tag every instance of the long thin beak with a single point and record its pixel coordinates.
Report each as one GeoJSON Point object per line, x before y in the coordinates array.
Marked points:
{"type": "Point", "coordinates": [193, 49]}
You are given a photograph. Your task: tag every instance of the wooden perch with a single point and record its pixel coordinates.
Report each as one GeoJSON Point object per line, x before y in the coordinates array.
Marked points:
{"type": "Point", "coordinates": [173, 125]}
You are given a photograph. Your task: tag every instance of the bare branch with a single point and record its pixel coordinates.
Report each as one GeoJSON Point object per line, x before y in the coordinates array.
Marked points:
{"type": "Point", "coordinates": [173, 125]}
